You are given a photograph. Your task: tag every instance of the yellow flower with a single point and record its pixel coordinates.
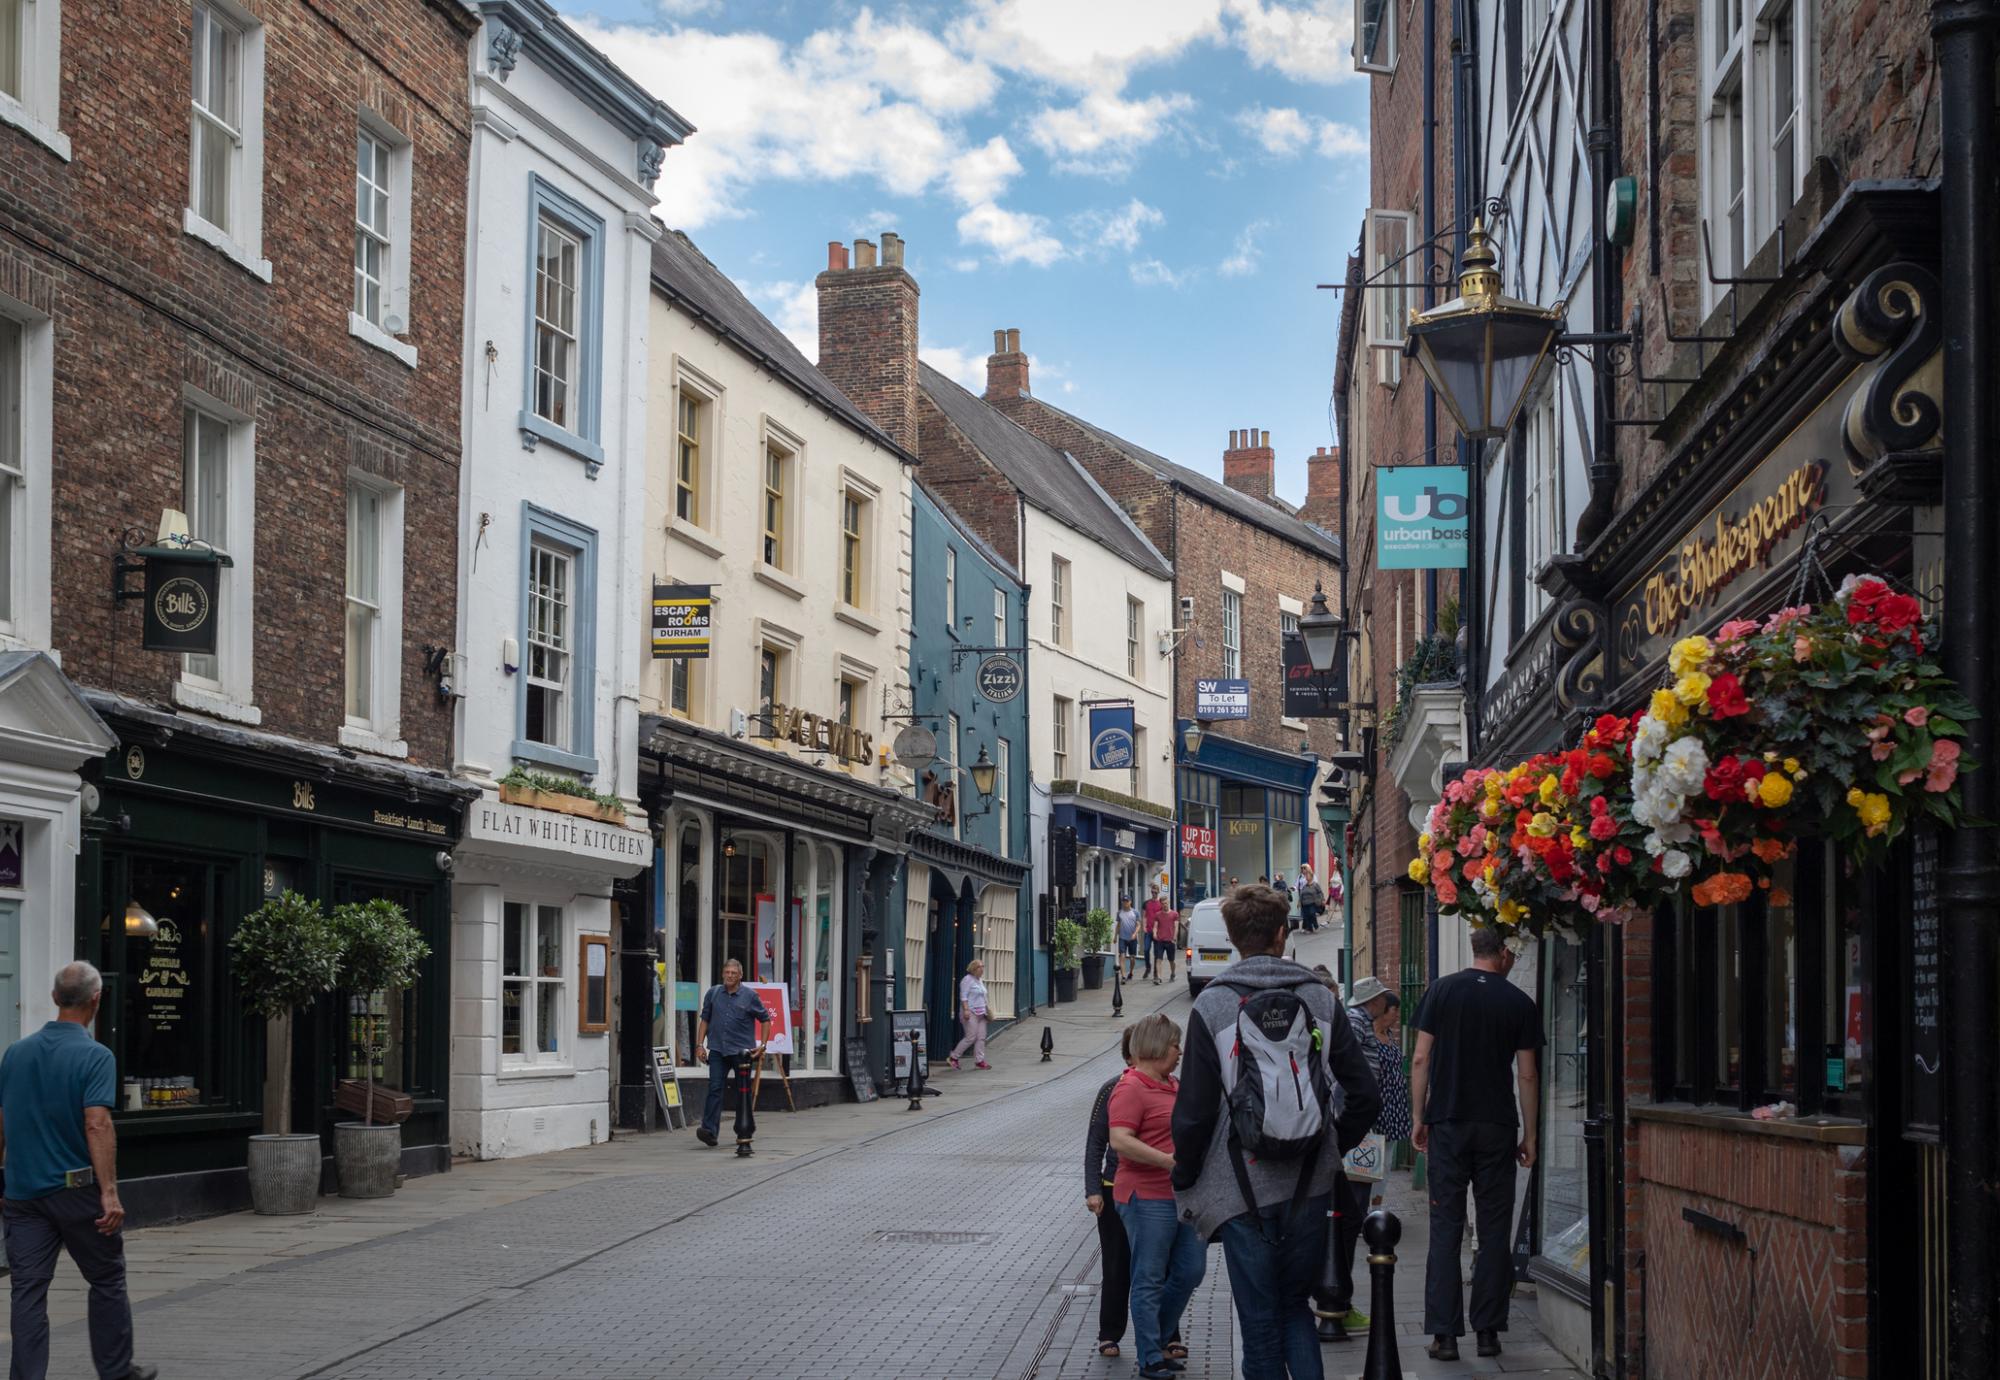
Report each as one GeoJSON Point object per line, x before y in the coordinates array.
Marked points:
{"type": "Point", "coordinates": [1490, 807]}
{"type": "Point", "coordinates": [1423, 843]}
{"type": "Point", "coordinates": [1495, 787]}
{"type": "Point", "coordinates": [1420, 871]}
{"type": "Point", "coordinates": [1551, 789]}
{"type": "Point", "coordinates": [1668, 709]}
{"type": "Point", "coordinates": [1688, 654]}
{"type": "Point", "coordinates": [1775, 789]}
{"type": "Point", "coordinates": [1578, 838]}
{"type": "Point", "coordinates": [1792, 766]}
{"type": "Point", "coordinates": [1512, 912]}
{"type": "Point", "coordinates": [1874, 811]}
{"type": "Point", "coordinates": [1692, 688]}
{"type": "Point", "coordinates": [1543, 825]}
{"type": "Point", "coordinates": [1855, 796]}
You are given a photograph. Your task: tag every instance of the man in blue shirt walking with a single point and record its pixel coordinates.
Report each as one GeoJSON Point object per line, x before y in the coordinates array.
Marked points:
{"type": "Point", "coordinates": [57, 1088]}
{"type": "Point", "coordinates": [728, 1036]}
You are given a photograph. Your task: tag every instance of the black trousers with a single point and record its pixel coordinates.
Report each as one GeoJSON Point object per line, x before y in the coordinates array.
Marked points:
{"type": "Point", "coordinates": [1478, 1154]}
{"type": "Point", "coordinates": [1348, 1207]}
{"type": "Point", "coordinates": [38, 1231]}
{"type": "Point", "coordinates": [1114, 1295]}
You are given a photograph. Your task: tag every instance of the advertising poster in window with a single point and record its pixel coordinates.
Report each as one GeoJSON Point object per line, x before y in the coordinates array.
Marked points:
{"type": "Point", "coordinates": [682, 615]}
{"type": "Point", "coordinates": [1422, 517]}
{"type": "Point", "coordinates": [1111, 737]}
{"type": "Point", "coordinates": [777, 999]}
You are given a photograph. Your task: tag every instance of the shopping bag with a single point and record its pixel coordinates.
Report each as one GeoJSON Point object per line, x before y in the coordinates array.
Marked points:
{"type": "Point", "coordinates": [1368, 1160]}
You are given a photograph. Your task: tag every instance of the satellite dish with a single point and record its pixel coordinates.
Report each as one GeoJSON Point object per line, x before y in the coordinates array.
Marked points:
{"type": "Point", "coordinates": [915, 747]}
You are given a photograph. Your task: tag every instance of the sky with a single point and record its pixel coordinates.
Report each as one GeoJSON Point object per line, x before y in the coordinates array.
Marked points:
{"type": "Point", "coordinates": [1148, 190]}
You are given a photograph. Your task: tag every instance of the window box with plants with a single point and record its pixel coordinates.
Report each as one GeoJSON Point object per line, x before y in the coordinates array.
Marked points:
{"type": "Point", "coordinates": [1097, 930]}
{"type": "Point", "coordinates": [1063, 947]}
{"type": "Point", "coordinates": [546, 791]}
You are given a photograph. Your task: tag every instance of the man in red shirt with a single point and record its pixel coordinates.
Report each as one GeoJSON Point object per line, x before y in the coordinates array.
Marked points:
{"type": "Point", "coordinates": [1154, 905]}
{"type": "Point", "coordinates": [1165, 925]}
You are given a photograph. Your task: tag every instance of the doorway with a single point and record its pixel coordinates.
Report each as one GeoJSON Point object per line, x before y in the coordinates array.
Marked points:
{"type": "Point", "coordinates": [10, 972]}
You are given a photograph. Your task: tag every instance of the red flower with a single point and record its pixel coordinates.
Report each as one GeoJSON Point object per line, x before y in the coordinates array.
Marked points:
{"type": "Point", "coordinates": [1603, 827]}
{"type": "Point", "coordinates": [1726, 698]}
{"type": "Point", "coordinates": [1724, 782]}
{"type": "Point", "coordinates": [1623, 854]}
{"type": "Point", "coordinates": [1599, 805]}
{"type": "Point", "coordinates": [1609, 728]}
{"type": "Point", "coordinates": [1603, 767]}
{"type": "Point", "coordinates": [1896, 612]}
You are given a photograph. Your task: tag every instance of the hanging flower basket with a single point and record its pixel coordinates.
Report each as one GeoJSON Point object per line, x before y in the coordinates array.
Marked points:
{"type": "Point", "coordinates": [1832, 721]}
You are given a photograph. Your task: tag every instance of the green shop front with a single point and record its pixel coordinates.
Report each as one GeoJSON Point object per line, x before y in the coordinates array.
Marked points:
{"type": "Point", "coordinates": [195, 826]}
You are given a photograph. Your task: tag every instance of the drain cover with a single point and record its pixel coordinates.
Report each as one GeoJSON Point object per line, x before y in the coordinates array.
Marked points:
{"type": "Point", "coordinates": [931, 1238]}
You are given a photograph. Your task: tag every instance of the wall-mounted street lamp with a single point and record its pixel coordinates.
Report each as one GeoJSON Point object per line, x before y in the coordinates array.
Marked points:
{"type": "Point", "coordinates": [1321, 628]}
{"type": "Point", "coordinates": [984, 771]}
{"type": "Point", "coordinates": [1191, 737]}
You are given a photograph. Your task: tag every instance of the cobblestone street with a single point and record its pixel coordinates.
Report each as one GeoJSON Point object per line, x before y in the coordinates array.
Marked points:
{"type": "Point", "coordinates": [655, 1258]}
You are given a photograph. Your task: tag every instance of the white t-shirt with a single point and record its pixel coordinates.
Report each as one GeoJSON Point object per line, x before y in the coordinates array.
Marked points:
{"type": "Point", "coordinates": [972, 994]}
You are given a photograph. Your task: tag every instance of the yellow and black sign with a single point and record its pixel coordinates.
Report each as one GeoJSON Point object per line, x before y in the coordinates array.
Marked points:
{"type": "Point", "coordinates": [681, 618]}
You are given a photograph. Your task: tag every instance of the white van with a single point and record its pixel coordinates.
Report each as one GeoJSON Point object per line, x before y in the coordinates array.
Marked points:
{"type": "Point", "coordinates": [1209, 950]}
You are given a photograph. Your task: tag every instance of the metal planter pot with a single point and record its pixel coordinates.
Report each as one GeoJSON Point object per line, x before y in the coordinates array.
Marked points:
{"type": "Point", "coordinates": [284, 1175]}
{"type": "Point", "coordinates": [366, 1158]}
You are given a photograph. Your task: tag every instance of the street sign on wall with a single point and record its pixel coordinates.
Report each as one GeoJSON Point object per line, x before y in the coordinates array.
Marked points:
{"type": "Point", "coordinates": [1221, 699]}
{"type": "Point", "coordinates": [999, 677]}
{"type": "Point", "coordinates": [1422, 517]}
{"type": "Point", "coordinates": [681, 619]}
{"type": "Point", "coordinates": [1111, 737]}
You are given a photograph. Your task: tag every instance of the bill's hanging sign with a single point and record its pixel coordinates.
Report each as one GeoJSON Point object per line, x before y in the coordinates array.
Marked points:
{"type": "Point", "coordinates": [1111, 737]}
{"type": "Point", "coordinates": [681, 620]}
{"type": "Point", "coordinates": [1422, 517]}
{"type": "Point", "coordinates": [181, 588]}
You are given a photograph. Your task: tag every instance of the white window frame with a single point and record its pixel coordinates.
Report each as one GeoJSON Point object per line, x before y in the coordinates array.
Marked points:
{"type": "Point", "coordinates": [951, 590]}
{"type": "Point", "coordinates": [949, 754]}
{"type": "Point", "coordinates": [857, 546]}
{"type": "Point", "coordinates": [1003, 767]}
{"type": "Point", "coordinates": [1387, 260]}
{"type": "Point", "coordinates": [561, 691]}
{"type": "Point", "coordinates": [564, 360]}
{"type": "Point", "coordinates": [29, 445]}
{"type": "Point", "coordinates": [1059, 571]}
{"type": "Point", "coordinates": [1290, 610]}
{"type": "Point", "coordinates": [242, 240]}
{"type": "Point", "coordinates": [35, 108]}
{"type": "Point", "coordinates": [1135, 637]}
{"type": "Point", "coordinates": [390, 333]}
{"type": "Point", "coordinates": [381, 731]}
{"type": "Point", "coordinates": [227, 694]}
{"type": "Point", "coordinates": [1743, 194]}
{"type": "Point", "coordinates": [1380, 60]}
{"type": "Point", "coordinates": [708, 395]}
{"type": "Point", "coordinates": [562, 1056]}
{"type": "Point", "coordinates": [1059, 738]}
{"type": "Point", "coordinates": [1542, 499]}
{"type": "Point", "coordinates": [999, 616]}
{"type": "Point", "coordinates": [790, 453]}
{"type": "Point", "coordinates": [1232, 633]}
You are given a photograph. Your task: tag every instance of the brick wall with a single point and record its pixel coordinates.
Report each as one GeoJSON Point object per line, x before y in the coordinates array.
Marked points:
{"type": "Point", "coordinates": [958, 474]}
{"type": "Point", "coordinates": [1146, 498]}
{"type": "Point", "coordinates": [141, 310]}
{"type": "Point", "coordinates": [868, 334]}
{"type": "Point", "coordinates": [1790, 1302]}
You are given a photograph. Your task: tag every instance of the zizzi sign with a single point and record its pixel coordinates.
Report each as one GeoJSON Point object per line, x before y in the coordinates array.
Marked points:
{"type": "Point", "coordinates": [1422, 517]}
{"type": "Point", "coordinates": [180, 605]}
{"type": "Point", "coordinates": [999, 677]}
{"type": "Point", "coordinates": [820, 734]}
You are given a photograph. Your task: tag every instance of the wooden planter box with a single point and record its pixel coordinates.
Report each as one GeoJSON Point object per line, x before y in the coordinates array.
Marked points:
{"type": "Point", "coordinates": [562, 804]}
{"type": "Point", "coordinates": [391, 1107]}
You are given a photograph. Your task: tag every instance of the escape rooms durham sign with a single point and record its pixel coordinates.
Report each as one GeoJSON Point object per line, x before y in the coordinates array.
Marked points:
{"type": "Point", "coordinates": [1758, 526]}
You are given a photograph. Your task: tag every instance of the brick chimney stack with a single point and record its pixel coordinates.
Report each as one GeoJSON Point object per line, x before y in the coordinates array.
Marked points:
{"type": "Point", "coordinates": [1248, 464]}
{"type": "Point", "coordinates": [1006, 368]}
{"type": "Point", "coordinates": [1322, 505]}
{"type": "Point", "coordinates": [868, 332]}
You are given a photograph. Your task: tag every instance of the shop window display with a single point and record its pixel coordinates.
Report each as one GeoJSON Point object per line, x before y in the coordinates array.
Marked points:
{"type": "Point", "coordinates": [168, 985]}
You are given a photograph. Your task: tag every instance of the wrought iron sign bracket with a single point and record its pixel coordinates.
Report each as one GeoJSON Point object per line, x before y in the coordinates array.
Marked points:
{"type": "Point", "coordinates": [959, 654]}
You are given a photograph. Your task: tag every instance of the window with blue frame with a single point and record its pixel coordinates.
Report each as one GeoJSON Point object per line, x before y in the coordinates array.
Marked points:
{"type": "Point", "coordinates": [565, 316]}
{"type": "Point", "coordinates": [554, 713]}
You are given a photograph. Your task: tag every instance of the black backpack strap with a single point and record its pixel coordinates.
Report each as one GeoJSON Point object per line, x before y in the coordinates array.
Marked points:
{"type": "Point", "coordinates": [1242, 1174]}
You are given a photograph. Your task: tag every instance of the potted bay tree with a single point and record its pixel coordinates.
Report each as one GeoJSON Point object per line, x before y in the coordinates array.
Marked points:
{"type": "Point", "coordinates": [380, 951]}
{"type": "Point", "coordinates": [284, 956]}
{"type": "Point", "coordinates": [1097, 932]}
{"type": "Point", "coordinates": [1065, 941]}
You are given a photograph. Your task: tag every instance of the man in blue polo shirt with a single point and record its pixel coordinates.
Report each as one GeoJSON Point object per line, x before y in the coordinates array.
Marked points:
{"type": "Point", "coordinates": [728, 1036]}
{"type": "Point", "coordinates": [57, 1088]}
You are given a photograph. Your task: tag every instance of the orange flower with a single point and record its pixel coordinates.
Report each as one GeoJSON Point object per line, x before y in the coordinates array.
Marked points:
{"type": "Point", "coordinates": [1723, 889]}
{"type": "Point", "coordinates": [1771, 850]}
{"type": "Point", "coordinates": [1780, 897]}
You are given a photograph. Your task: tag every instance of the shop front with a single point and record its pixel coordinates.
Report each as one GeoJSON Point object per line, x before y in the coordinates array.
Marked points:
{"type": "Point", "coordinates": [1803, 467]}
{"type": "Point", "coordinates": [962, 903]}
{"type": "Point", "coordinates": [1243, 814]}
{"type": "Point", "coordinates": [782, 866]}
{"type": "Point", "coordinates": [195, 826]}
{"type": "Point", "coordinates": [1121, 842]}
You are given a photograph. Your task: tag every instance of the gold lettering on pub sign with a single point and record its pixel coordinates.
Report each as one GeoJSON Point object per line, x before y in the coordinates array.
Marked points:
{"type": "Point", "coordinates": [1731, 542]}
{"type": "Point", "coordinates": [819, 734]}
{"type": "Point", "coordinates": [302, 796]}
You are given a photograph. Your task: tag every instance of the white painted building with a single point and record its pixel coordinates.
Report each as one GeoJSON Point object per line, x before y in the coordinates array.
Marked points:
{"type": "Point", "coordinates": [552, 576]}
{"type": "Point", "coordinates": [767, 486]}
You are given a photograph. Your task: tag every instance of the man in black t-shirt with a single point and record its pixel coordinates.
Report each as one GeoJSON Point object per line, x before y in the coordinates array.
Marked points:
{"type": "Point", "coordinates": [1472, 1029]}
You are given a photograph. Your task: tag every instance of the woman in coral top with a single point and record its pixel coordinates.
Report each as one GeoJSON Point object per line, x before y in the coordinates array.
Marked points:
{"type": "Point", "coordinates": [1167, 1257]}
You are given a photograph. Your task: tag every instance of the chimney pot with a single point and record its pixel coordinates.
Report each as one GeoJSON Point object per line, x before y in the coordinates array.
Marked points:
{"type": "Point", "coordinates": [999, 342]}
{"type": "Point", "coordinates": [1006, 367]}
{"type": "Point", "coordinates": [1013, 341]}
{"type": "Point", "coordinates": [892, 249]}
{"type": "Point", "coordinates": [1232, 440]}
{"type": "Point", "coordinates": [864, 253]}
{"type": "Point", "coordinates": [836, 256]}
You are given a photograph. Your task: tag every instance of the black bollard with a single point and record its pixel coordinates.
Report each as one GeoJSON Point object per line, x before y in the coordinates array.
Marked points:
{"type": "Point", "coordinates": [1048, 1044]}
{"type": "Point", "coordinates": [1117, 986]}
{"type": "Point", "coordinates": [916, 1078]}
{"type": "Point", "coordinates": [746, 1114]}
{"type": "Point", "coordinates": [1382, 1231]}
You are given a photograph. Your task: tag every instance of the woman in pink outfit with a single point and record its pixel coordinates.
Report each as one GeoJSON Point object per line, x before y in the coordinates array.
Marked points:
{"type": "Point", "coordinates": [972, 1014]}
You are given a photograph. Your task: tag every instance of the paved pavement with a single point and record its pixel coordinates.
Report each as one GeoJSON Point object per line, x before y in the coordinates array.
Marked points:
{"type": "Point", "coordinates": [947, 1244]}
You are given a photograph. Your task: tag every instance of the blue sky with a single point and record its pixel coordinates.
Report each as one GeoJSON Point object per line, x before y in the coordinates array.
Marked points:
{"type": "Point", "coordinates": [1147, 189]}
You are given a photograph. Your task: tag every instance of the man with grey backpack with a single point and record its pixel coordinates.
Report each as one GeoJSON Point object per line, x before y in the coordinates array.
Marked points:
{"type": "Point", "coordinates": [1274, 1090]}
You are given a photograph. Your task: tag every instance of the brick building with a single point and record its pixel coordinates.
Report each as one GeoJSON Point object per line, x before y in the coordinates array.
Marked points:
{"type": "Point", "coordinates": [1246, 563]}
{"type": "Point", "coordinates": [244, 308]}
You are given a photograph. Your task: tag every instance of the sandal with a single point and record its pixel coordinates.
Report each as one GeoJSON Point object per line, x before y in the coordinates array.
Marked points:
{"type": "Point", "coordinates": [1108, 1350]}
{"type": "Point", "coordinates": [1176, 1351]}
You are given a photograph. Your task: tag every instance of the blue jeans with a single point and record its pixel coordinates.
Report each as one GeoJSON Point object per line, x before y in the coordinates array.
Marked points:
{"type": "Point", "coordinates": [721, 1072]}
{"type": "Point", "coordinates": [1272, 1280]}
{"type": "Point", "coordinates": [1168, 1261]}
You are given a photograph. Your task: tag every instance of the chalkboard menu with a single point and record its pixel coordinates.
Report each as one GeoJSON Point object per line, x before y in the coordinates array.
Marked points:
{"type": "Point", "coordinates": [858, 1073]}
{"type": "Point", "coordinates": [1923, 1097]}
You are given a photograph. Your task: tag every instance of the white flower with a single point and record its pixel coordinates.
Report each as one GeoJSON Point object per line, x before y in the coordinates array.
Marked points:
{"type": "Point", "coordinates": [1675, 864]}
{"type": "Point", "coordinates": [1642, 781]}
{"type": "Point", "coordinates": [1647, 742]}
{"type": "Point", "coordinates": [1683, 765]}
{"type": "Point", "coordinates": [1518, 944]}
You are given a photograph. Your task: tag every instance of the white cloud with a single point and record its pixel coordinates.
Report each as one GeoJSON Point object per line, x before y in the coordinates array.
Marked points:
{"type": "Point", "coordinates": [1245, 255]}
{"type": "Point", "coordinates": [1285, 132]}
{"type": "Point", "coordinates": [1088, 46]}
{"type": "Point", "coordinates": [965, 265]}
{"type": "Point", "coordinates": [967, 368]}
{"type": "Point", "coordinates": [1122, 229]}
{"type": "Point", "coordinates": [1312, 42]}
{"type": "Point", "coordinates": [1013, 236]}
{"type": "Point", "coordinates": [1153, 273]}
{"type": "Point", "coordinates": [1101, 133]}
{"type": "Point", "coordinates": [983, 173]}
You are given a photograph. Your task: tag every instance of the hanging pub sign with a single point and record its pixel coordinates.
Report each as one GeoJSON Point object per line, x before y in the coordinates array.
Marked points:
{"type": "Point", "coordinates": [999, 677]}
{"type": "Point", "coordinates": [181, 589]}
{"type": "Point", "coordinates": [1311, 694]}
{"type": "Point", "coordinates": [1422, 517]}
{"type": "Point", "coordinates": [681, 620]}
{"type": "Point", "coordinates": [1221, 699]}
{"type": "Point", "coordinates": [1111, 737]}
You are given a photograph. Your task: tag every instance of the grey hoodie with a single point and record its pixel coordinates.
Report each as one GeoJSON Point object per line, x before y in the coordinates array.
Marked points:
{"type": "Point", "coordinates": [1204, 1175]}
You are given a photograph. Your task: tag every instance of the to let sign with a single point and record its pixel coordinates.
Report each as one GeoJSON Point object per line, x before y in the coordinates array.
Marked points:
{"type": "Point", "coordinates": [1221, 699]}
{"type": "Point", "coordinates": [1198, 843]}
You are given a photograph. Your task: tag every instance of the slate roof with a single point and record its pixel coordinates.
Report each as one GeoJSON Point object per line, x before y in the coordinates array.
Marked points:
{"type": "Point", "coordinates": [696, 286]}
{"type": "Point", "coordinates": [1281, 521]}
{"type": "Point", "coordinates": [1046, 477]}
